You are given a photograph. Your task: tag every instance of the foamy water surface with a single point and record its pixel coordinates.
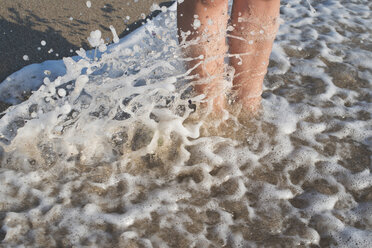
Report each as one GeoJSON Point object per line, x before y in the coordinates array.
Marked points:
{"type": "Point", "coordinates": [110, 153]}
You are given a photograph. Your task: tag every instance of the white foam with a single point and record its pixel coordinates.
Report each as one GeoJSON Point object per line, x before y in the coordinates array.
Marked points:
{"type": "Point", "coordinates": [114, 34]}
{"type": "Point", "coordinates": [95, 39]}
{"type": "Point", "coordinates": [107, 145]}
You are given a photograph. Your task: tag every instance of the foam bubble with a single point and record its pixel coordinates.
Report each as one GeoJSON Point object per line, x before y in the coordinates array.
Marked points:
{"type": "Point", "coordinates": [61, 92]}
{"type": "Point", "coordinates": [114, 34]}
{"type": "Point", "coordinates": [196, 23]}
{"type": "Point", "coordinates": [95, 39]}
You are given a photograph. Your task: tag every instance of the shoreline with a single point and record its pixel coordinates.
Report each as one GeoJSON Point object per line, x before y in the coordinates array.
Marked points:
{"type": "Point", "coordinates": [38, 30]}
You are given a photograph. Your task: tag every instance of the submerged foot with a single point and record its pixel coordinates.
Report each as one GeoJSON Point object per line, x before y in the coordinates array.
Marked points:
{"type": "Point", "coordinates": [248, 92]}
{"type": "Point", "coordinates": [215, 95]}
{"type": "Point", "coordinates": [250, 104]}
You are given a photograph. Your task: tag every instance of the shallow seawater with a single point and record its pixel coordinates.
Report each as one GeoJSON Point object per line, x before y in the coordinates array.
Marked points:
{"type": "Point", "coordinates": [112, 154]}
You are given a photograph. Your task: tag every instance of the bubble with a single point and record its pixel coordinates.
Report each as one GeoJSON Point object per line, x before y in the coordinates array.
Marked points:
{"type": "Point", "coordinates": [102, 48]}
{"type": "Point", "coordinates": [62, 92]}
{"type": "Point", "coordinates": [66, 109]}
{"type": "Point", "coordinates": [164, 9]}
{"type": "Point", "coordinates": [230, 28]}
{"type": "Point", "coordinates": [196, 23]}
{"type": "Point", "coordinates": [26, 58]}
{"type": "Point", "coordinates": [89, 4]}
{"type": "Point", "coordinates": [95, 39]}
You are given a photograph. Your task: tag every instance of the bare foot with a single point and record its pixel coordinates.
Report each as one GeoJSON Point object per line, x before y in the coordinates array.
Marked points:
{"type": "Point", "coordinates": [205, 23]}
{"type": "Point", "coordinates": [214, 91]}
{"type": "Point", "coordinates": [248, 90]}
{"type": "Point", "coordinates": [255, 23]}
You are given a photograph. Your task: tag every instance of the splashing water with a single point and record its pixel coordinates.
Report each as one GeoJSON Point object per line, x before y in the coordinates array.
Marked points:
{"type": "Point", "coordinates": [311, 7]}
{"type": "Point", "coordinates": [110, 152]}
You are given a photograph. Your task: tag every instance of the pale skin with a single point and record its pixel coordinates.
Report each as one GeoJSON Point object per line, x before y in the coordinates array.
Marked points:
{"type": "Point", "coordinates": [253, 25]}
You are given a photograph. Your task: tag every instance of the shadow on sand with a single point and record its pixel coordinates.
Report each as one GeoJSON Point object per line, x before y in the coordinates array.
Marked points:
{"type": "Point", "coordinates": [20, 41]}
{"type": "Point", "coordinates": [19, 37]}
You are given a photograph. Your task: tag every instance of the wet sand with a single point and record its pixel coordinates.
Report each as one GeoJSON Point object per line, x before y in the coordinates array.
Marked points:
{"type": "Point", "coordinates": [64, 25]}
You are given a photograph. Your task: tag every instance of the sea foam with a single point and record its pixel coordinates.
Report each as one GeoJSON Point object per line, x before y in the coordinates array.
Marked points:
{"type": "Point", "coordinates": [112, 148]}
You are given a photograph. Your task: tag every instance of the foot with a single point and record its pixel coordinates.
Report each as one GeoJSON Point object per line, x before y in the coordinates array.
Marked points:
{"type": "Point", "coordinates": [250, 104]}
{"type": "Point", "coordinates": [248, 90]}
{"type": "Point", "coordinates": [215, 95]}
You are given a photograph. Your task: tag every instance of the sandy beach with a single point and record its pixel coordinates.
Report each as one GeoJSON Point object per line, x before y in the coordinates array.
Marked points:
{"type": "Point", "coordinates": [63, 25]}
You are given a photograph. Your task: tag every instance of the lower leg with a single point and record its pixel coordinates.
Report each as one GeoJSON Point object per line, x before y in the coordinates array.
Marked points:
{"type": "Point", "coordinates": [205, 23]}
{"type": "Point", "coordinates": [255, 25]}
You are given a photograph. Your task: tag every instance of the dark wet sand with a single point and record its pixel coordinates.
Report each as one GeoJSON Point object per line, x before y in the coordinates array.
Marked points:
{"type": "Point", "coordinates": [64, 25]}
